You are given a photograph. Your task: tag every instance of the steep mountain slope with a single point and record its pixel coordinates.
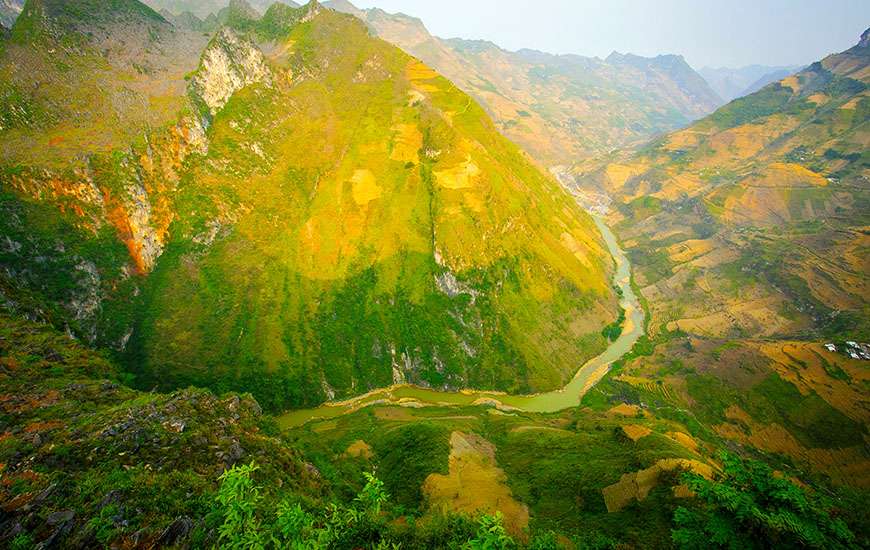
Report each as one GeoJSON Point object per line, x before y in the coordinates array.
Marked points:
{"type": "Point", "coordinates": [730, 83]}
{"type": "Point", "coordinates": [748, 233]}
{"type": "Point", "coordinates": [768, 78]}
{"type": "Point", "coordinates": [309, 212]}
{"type": "Point", "coordinates": [203, 8]}
{"type": "Point", "coordinates": [774, 184]}
{"type": "Point", "coordinates": [9, 11]}
{"type": "Point", "coordinates": [87, 460]}
{"type": "Point", "coordinates": [559, 108]}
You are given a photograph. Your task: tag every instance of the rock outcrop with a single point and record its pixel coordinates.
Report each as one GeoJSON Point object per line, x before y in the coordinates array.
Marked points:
{"type": "Point", "coordinates": [228, 64]}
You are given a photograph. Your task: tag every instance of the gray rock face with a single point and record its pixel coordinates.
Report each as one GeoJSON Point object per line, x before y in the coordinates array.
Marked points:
{"type": "Point", "coordinates": [9, 12]}
{"type": "Point", "coordinates": [228, 64]}
{"type": "Point", "coordinates": [85, 302]}
{"type": "Point", "coordinates": [451, 286]}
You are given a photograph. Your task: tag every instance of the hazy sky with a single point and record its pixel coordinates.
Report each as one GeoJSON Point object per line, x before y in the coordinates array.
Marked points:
{"type": "Point", "coordinates": [714, 33]}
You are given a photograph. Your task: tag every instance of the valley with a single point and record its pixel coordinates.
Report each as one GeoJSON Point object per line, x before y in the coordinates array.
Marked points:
{"type": "Point", "coordinates": [310, 276]}
{"type": "Point", "coordinates": [630, 330]}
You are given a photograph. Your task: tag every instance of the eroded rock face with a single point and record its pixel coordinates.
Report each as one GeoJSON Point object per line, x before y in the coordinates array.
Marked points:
{"type": "Point", "coordinates": [9, 12]}
{"type": "Point", "coordinates": [228, 64]}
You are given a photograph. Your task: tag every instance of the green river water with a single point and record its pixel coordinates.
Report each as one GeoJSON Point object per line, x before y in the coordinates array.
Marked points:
{"type": "Point", "coordinates": [569, 396]}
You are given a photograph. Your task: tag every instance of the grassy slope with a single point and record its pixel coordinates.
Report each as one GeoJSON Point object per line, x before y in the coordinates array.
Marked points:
{"type": "Point", "coordinates": [128, 464]}
{"type": "Point", "coordinates": [301, 255]}
{"type": "Point", "coordinates": [559, 108]}
{"type": "Point", "coordinates": [748, 235]}
{"type": "Point", "coordinates": [774, 185]}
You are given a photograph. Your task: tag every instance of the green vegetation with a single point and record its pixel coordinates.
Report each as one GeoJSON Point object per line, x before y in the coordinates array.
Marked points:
{"type": "Point", "coordinates": [751, 506]}
{"type": "Point", "coordinates": [313, 248]}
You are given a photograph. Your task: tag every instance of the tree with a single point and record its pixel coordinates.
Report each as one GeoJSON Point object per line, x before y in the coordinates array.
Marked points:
{"type": "Point", "coordinates": [491, 535]}
{"type": "Point", "coordinates": [749, 506]}
{"type": "Point", "coordinates": [238, 498]}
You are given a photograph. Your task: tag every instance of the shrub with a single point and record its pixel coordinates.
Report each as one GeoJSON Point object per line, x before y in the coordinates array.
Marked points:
{"type": "Point", "coordinates": [748, 506]}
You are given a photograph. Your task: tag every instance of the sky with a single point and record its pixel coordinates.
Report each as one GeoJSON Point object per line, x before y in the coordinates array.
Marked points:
{"type": "Point", "coordinates": [721, 33]}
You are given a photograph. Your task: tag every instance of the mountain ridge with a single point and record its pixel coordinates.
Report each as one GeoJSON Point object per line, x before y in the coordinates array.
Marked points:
{"type": "Point", "coordinates": [553, 105]}
{"type": "Point", "coordinates": [465, 264]}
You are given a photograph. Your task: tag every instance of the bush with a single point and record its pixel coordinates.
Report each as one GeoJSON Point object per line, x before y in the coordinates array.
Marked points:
{"type": "Point", "coordinates": [748, 506]}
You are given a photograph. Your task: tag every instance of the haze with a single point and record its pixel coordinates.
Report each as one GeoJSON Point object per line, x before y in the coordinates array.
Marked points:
{"type": "Point", "coordinates": [732, 34]}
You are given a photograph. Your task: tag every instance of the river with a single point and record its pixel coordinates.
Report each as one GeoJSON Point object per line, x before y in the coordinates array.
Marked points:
{"type": "Point", "coordinates": [569, 396]}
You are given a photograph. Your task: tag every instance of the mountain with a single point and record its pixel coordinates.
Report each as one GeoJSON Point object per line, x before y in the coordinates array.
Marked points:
{"type": "Point", "coordinates": [289, 207]}
{"type": "Point", "coordinates": [731, 83]}
{"type": "Point", "coordinates": [768, 78]}
{"type": "Point", "coordinates": [773, 183]}
{"type": "Point", "coordinates": [748, 234]}
{"type": "Point", "coordinates": [559, 108]}
{"type": "Point", "coordinates": [9, 11]}
{"type": "Point", "coordinates": [203, 8]}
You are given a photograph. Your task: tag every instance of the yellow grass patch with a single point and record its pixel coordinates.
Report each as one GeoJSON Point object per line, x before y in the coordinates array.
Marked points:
{"type": "Point", "coordinates": [359, 449]}
{"type": "Point", "coordinates": [624, 409]}
{"type": "Point", "coordinates": [365, 188]}
{"type": "Point", "coordinates": [637, 485]}
{"type": "Point", "coordinates": [787, 174]}
{"type": "Point", "coordinates": [689, 250]}
{"type": "Point", "coordinates": [760, 316]}
{"type": "Point", "coordinates": [576, 248]}
{"type": "Point", "coordinates": [685, 440]}
{"type": "Point", "coordinates": [475, 484]}
{"type": "Point", "coordinates": [791, 82]}
{"type": "Point", "coordinates": [678, 184]}
{"type": "Point", "coordinates": [803, 364]}
{"type": "Point", "coordinates": [852, 104]}
{"type": "Point", "coordinates": [738, 143]}
{"type": "Point", "coordinates": [686, 139]}
{"type": "Point", "coordinates": [819, 98]}
{"type": "Point", "coordinates": [461, 176]}
{"type": "Point", "coordinates": [417, 70]}
{"type": "Point", "coordinates": [635, 432]}
{"type": "Point", "coordinates": [618, 174]}
{"type": "Point", "coordinates": [407, 141]}
{"type": "Point", "coordinates": [848, 466]}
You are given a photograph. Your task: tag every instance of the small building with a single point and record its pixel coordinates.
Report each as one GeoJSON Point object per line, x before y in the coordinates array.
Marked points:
{"type": "Point", "coordinates": [852, 344]}
{"type": "Point", "coordinates": [831, 347]}
{"type": "Point", "coordinates": [853, 355]}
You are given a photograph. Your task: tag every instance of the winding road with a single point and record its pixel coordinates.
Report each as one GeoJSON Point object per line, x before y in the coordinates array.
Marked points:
{"type": "Point", "coordinates": [569, 396]}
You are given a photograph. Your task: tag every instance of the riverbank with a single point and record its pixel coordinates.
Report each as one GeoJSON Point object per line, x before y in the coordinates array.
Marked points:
{"type": "Point", "coordinates": [569, 396]}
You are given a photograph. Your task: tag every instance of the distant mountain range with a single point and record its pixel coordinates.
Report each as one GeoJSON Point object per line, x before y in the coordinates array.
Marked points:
{"type": "Point", "coordinates": [732, 83]}
{"type": "Point", "coordinates": [558, 107]}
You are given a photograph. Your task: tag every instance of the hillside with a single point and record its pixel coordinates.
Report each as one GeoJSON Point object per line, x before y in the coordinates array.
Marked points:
{"type": "Point", "coordinates": [773, 184]}
{"type": "Point", "coordinates": [731, 83]}
{"type": "Point", "coordinates": [9, 11]}
{"type": "Point", "coordinates": [248, 221]}
{"type": "Point", "coordinates": [203, 8]}
{"type": "Point", "coordinates": [560, 108]}
{"type": "Point", "coordinates": [748, 235]}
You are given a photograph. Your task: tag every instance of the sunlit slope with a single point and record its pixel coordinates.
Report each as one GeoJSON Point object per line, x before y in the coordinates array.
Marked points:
{"type": "Point", "coordinates": [754, 220]}
{"type": "Point", "coordinates": [369, 226]}
{"type": "Point", "coordinates": [95, 125]}
{"type": "Point", "coordinates": [559, 108]}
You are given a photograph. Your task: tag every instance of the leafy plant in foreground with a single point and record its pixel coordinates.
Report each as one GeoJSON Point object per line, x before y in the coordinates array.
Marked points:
{"type": "Point", "coordinates": [238, 498]}
{"type": "Point", "coordinates": [749, 506]}
{"type": "Point", "coordinates": [491, 535]}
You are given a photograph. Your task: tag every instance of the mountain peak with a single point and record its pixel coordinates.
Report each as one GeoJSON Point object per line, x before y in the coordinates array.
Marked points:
{"type": "Point", "coordinates": [92, 17]}
{"type": "Point", "coordinates": [865, 39]}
